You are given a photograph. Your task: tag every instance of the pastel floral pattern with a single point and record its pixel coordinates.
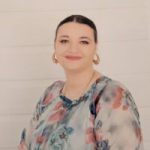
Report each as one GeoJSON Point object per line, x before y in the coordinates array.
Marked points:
{"type": "Point", "coordinates": [102, 119]}
{"type": "Point", "coordinates": [60, 136]}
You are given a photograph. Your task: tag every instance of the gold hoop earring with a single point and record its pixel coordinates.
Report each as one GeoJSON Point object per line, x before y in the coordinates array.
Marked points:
{"type": "Point", "coordinates": [54, 59]}
{"type": "Point", "coordinates": [97, 60]}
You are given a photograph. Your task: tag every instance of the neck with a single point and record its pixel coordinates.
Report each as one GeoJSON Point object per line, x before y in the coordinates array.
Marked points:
{"type": "Point", "coordinates": [78, 83]}
{"type": "Point", "coordinates": [76, 79]}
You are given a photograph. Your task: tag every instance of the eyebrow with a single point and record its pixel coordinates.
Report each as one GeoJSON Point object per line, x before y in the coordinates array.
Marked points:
{"type": "Point", "coordinates": [82, 37]}
{"type": "Point", "coordinates": [85, 37]}
{"type": "Point", "coordinates": [66, 36]}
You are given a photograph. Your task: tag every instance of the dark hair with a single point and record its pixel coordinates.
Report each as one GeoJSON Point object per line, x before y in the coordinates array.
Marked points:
{"type": "Point", "coordinates": [79, 19]}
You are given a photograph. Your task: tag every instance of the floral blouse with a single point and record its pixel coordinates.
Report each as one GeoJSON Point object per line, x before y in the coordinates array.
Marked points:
{"type": "Point", "coordinates": [104, 118]}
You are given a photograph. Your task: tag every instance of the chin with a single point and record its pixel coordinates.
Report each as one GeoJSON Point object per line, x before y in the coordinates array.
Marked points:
{"type": "Point", "coordinates": [73, 68]}
{"type": "Point", "coordinates": [76, 69]}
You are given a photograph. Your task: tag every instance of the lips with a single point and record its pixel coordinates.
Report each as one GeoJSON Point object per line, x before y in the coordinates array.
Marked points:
{"type": "Point", "coordinates": [73, 57]}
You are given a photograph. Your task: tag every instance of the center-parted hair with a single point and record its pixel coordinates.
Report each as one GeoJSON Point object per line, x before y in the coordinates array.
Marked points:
{"type": "Point", "coordinates": [79, 19]}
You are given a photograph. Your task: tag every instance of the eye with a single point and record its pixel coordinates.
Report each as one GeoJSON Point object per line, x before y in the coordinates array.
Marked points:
{"type": "Point", "coordinates": [64, 41]}
{"type": "Point", "coordinates": [84, 42]}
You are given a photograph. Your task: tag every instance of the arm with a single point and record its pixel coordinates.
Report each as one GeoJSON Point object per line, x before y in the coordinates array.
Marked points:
{"type": "Point", "coordinates": [27, 131]}
{"type": "Point", "coordinates": [117, 125]}
{"type": "Point", "coordinates": [41, 106]}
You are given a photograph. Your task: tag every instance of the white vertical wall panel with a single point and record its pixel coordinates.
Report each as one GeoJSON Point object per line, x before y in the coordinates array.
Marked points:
{"type": "Point", "coordinates": [149, 21]}
{"type": "Point", "coordinates": [146, 146]}
{"type": "Point", "coordinates": [28, 63]}
{"type": "Point", "coordinates": [148, 18]}
{"type": "Point", "coordinates": [48, 5]}
{"type": "Point", "coordinates": [123, 24]}
{"type": "Point", "coordinates": [128, 57]}
{"type": "Point", "coordinates": [22, 63]}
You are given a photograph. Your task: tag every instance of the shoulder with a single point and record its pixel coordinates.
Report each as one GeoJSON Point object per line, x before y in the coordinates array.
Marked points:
{"type": "Point", "coordinates": [116, 96]}
{"type": "Point", "coordinates": [108, 84]}
{"type": "Point", "coordinates": [113, 85]}
{"type": "Point", "coordinates": [47, 97]}
{"type": "Point", "coordinates": [55, 86]}
{"type": "Point", "coordinates": [52, 90]}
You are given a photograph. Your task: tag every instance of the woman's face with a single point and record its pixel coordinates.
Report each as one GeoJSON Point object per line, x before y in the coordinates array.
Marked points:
{"type": "Point", "coordinates": [75, 46]}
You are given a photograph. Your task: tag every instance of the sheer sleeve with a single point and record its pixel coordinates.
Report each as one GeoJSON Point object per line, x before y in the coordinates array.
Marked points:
{"type": "Point", "coordinates": [43, 102]}
{"type": "Point", "coordinates": [117, 125]}
{"type": "Point", "coordinates": [27, 131]}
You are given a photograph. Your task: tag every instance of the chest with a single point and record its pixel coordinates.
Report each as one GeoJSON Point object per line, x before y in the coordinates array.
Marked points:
{"type": "Point", "coordinates": [58, 126]}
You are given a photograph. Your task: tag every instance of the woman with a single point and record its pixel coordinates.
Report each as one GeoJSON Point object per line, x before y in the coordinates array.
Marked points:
{"type": "Point", "coordinates": [89, 111]}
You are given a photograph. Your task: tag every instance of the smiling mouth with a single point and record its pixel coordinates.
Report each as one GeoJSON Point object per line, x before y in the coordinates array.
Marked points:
{"type": "Point", "coordinates": [73, 57]}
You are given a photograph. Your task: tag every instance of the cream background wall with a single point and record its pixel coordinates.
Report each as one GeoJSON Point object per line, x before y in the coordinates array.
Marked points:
{"type": "Point", "coordinates": [27, 30]}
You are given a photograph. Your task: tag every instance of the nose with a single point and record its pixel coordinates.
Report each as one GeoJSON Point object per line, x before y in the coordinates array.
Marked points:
{"type": "Point", "coordinates": [73, 47]}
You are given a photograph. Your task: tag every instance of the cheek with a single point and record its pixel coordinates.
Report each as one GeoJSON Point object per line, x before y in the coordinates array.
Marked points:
{"type": "Point", "coordinates": [89, 52]}
{"type": "Point", "coordinates": [59, 53]}
{"type": "Point", "coordinates": [58, 50]}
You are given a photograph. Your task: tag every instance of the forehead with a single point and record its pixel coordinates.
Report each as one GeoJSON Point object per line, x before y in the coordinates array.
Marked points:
{"type": "Point", "coordinates": [75, 29]}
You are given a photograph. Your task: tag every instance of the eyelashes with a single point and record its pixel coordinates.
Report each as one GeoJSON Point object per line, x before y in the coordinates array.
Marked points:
{"type": "Point", "coordinates": [64, 41]}
{"type": "Point", "coordinates": [84, 42]}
